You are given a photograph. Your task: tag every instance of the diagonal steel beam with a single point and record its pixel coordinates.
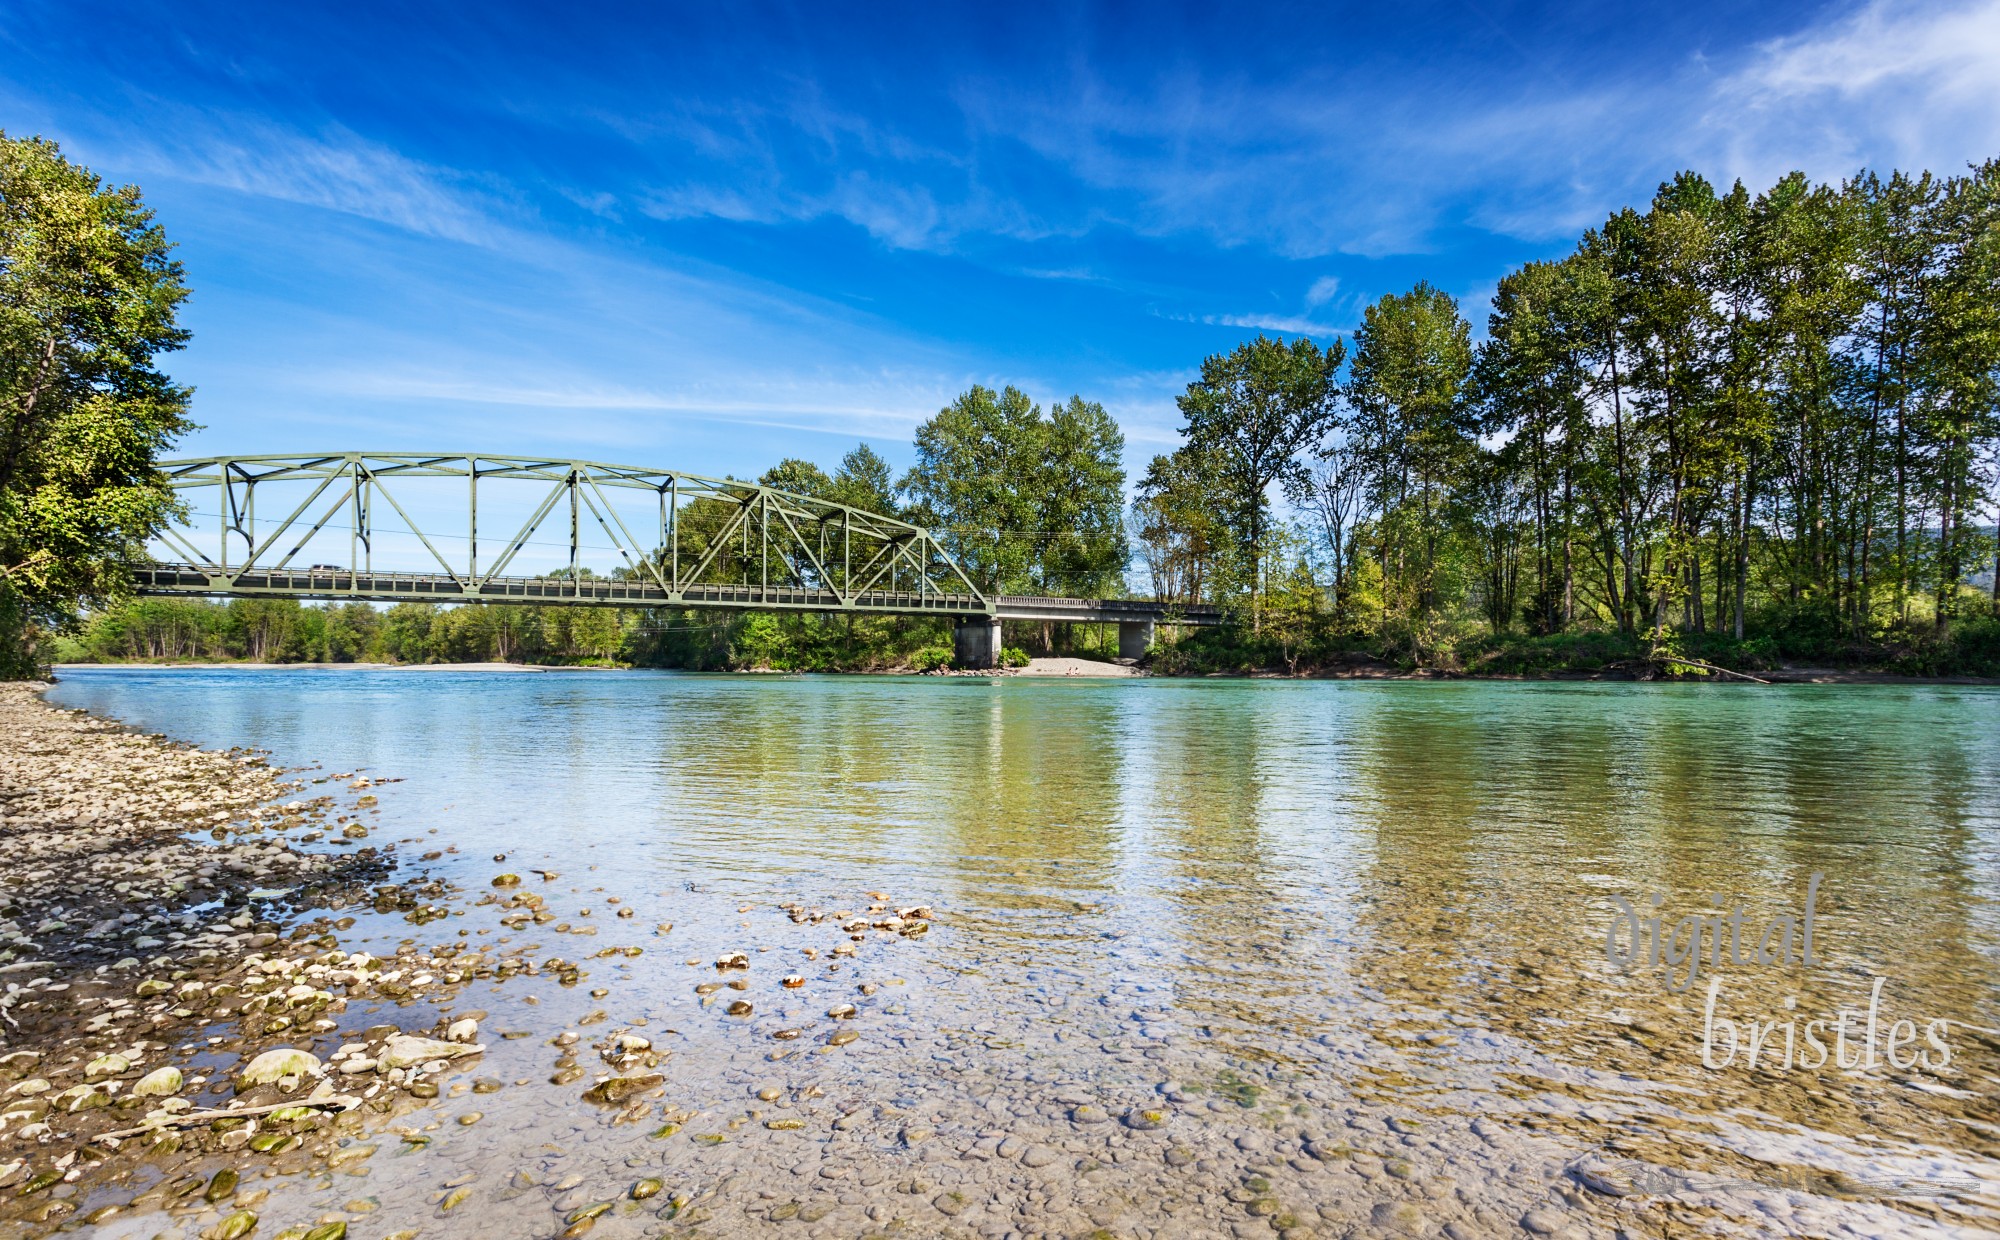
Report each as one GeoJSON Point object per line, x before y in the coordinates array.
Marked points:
{"type": "Point", "coordinates": [527, 531]}
{"type": "Point", "coordinates": [804, 546]}
{"type": "Point", "coordinates": [608, 506]}
{"type": "Point", "coordinates": [286, 524]}
{"type": "Point", "coordinates": [716, 544]}
{"type": "Point", "coordinates": [442, 562]}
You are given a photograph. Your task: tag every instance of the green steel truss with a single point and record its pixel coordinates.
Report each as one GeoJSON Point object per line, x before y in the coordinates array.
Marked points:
{"type": "Point", "coordinates": [705, 542]}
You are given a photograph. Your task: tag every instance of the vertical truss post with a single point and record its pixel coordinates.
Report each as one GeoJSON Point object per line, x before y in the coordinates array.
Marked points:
{"type": "Point", "coordinates": [367, 516]}
{"type": "Point", "coordinates": [354, 530]}
{"type": "Point", "coordinates": [472, 521]}
{"type": "Point", "coordinates": [764, 543]}
{"type": "Point", "coordinates": [575, 586]}
{"type": "Point", "coordinates": [674, 534]}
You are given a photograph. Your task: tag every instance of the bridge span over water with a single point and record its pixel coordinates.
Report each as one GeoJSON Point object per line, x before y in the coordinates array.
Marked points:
{"type": "Point", "coordinates": [678, 541]}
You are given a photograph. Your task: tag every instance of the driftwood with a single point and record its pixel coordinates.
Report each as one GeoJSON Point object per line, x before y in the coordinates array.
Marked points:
{"type": "Point", "coordinates": [1709, 667]}
{"type": "Point", "coordinates": [345, 1102]}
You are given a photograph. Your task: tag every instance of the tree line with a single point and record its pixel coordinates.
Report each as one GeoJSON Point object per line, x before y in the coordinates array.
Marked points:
{"type": "Point", "coordinates": [1726, 416]}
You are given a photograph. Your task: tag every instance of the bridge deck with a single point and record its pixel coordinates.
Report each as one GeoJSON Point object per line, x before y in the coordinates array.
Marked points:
{"type": "Point", "coordinates": [342, 585]}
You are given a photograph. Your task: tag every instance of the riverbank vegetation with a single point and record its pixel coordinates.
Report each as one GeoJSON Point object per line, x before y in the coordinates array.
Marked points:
{"type": "Point", "coordinates": [1732, 429]}
{"type": "Point", "coordinates": [88, 297]}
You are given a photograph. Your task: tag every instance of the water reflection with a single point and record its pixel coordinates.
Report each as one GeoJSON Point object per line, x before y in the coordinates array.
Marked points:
{"type": "Point", "coordinates": [1282, 912]}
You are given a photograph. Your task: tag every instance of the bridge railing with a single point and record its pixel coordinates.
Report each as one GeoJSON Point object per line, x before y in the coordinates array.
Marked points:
{"type": "Point", "coordinates": [1057, 608]}
{"type": "Point", "coordinates": [343, 584]}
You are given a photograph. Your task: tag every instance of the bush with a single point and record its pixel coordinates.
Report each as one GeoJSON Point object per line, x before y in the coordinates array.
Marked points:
{"type": "Point", "coordinates": [931, 659]}
{"type": "Point", "coordinates": [1575, 651]}
{"type": "Point", "coordinates": [1013, 656]}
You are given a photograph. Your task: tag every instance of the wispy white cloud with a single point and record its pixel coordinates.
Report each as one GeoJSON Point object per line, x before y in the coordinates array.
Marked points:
{"type": "Point", "coordinates": [1891, 81]}
{"type": "Point", "coordinates": [334, 169]}
{"type": "Point", "coordinates": [1323, 290]}
{"type": "Point", "coordinates": [1290, 324]}
{"type": "Point", "coordinates": [1277, 164]}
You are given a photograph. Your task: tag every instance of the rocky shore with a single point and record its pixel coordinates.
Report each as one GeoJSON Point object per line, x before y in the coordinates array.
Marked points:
{"type": "Point", "coordinates": [162, 916]}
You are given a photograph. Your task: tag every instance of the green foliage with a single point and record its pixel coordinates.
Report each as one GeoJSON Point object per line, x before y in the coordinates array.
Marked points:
{"type": "Point", "coordinates": [799, 477]}
{"type": "Point", "coordinates": [863, 481]}
{"type": "Point", "coordinates": [1027, 503]}
{"type": "Point", "coordinates": [1416, 435]}
{"type": "Point", "coordinates": [283, 631]}
{"type": "Point", "coordinates": [88, 295]}
{"type": "Point", "coordinates": [1246, 420]}
{"type": "Point", "coordinates": [1013, 656]}
{"type": "Point", "coordinates": [1182, 531]}
{"type": "Point", "coordinates": [792, 642]}
{"type": "Point", "coordinates": [931, 659]}
{"type": "Point", "coordinates": [1731, 426]}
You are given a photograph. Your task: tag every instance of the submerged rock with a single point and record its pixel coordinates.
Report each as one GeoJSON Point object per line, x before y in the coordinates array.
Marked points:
{"type": "Point", "coordinates": [407, 1050]}
{"type": "Point", "coordinates": [159, 1083]}
{"type": "Point", "coordinates": [274, 1066]}
{"type": "Point", "coordinates": [619, 1088]}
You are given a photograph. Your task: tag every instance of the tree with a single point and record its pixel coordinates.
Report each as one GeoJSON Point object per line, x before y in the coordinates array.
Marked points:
{"type": "Point", "coordinates": [88, 294]}
{"type": "Point", "coordinates": [1081, 548]}
{"type": "Point", "coordinates": [1962, 357]}
{"type": "Point", "coordinates": [1178, 524]}
{"type": "Point", "coordinates": [1529, 380]}
{"type": "Point", "coordinates": [1333, 490]}
{"type": "Point", "coordinates": [1412, 356]}
{"type": "Point", "coordinates": [863, 481]}
{"type": "Point", "coordinates": [799, 477]}
{"type": "Point", "coordinates": [1255, 410]}
{"type": "Point", "coordinates": [1027, 504]}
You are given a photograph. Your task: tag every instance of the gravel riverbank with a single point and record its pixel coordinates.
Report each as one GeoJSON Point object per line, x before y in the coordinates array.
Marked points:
{"type": "Point", "coordinates": [166, 914]}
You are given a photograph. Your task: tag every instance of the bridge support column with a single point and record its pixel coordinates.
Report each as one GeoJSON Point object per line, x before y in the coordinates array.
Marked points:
{"type": "Point", "coordinates": [976, 642]}
{"type": "Point", "coordinates": [1135, 637]}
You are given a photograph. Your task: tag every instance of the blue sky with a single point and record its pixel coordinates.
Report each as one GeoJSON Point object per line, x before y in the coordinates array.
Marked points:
{"type": "Point", "coordinates": [711, 236]}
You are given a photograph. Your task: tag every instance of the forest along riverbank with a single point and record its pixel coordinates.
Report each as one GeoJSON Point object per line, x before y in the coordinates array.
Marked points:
{"type": "Point", "coordinates": [149, 973]}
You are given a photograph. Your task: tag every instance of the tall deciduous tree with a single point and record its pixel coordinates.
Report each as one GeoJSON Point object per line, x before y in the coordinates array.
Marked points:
{"type": "Point", "coordinates": [1254, 412]}
{"type": "Point", "coordinates": [1183, 535]}
{"type": "Point", "coordinates": [88, 294]}
{"type": "Point", "coordinates": [1412, 356]}
{"type": "Point", "coordinates": [1027, 503]}
{"type": "Point", "coordinates": [863, 481]}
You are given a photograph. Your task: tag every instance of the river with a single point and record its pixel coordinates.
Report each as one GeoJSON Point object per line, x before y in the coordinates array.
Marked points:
{"type": "Point", "coordinates": [1205, 957]}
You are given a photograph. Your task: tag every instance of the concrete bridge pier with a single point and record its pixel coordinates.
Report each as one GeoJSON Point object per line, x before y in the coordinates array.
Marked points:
{"type": "Point", "coordinates": [1135, 637]}
{"type": "Point", "coordinates": [976, 642]}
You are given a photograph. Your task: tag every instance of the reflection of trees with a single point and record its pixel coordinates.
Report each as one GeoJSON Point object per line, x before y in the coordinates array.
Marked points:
{"type": "Point", "coordinates": [1246, 843]}
{"type": "Point", "coordinates": [1502, 816]}
{"type": "Point", "coordinates": [965, 779]}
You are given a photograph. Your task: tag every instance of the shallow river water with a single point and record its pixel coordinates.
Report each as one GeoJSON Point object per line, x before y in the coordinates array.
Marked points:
{"type": "Point", "coordinates": [1205, 958]}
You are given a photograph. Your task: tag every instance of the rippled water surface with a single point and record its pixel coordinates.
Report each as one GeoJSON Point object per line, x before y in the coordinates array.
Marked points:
{"type": "Point", "coordinates": [1250, 958]}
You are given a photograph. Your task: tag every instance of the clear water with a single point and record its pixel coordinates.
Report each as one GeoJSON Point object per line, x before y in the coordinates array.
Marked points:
{"type": "Point", "coordinates": [1373, 914]}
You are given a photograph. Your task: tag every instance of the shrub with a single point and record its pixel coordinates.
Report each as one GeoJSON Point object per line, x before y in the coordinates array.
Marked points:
{"type": "Point", "coordinates": [931, 659]}
{"type": "Point", "coordinates": [1013, 656]}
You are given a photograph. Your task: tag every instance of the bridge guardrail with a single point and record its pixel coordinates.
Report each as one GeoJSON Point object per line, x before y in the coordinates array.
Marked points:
{"type": "Point", "coordinates": [338, 584]}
